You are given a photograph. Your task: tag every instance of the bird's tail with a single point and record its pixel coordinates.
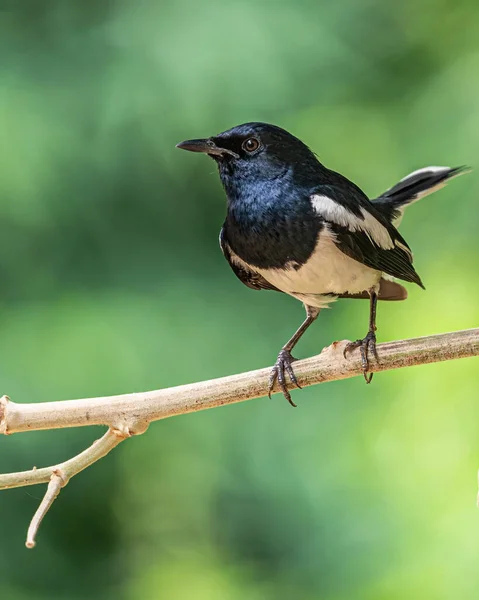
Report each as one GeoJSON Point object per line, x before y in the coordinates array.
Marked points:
{"type": "Point", "coordinates": [413, 187]}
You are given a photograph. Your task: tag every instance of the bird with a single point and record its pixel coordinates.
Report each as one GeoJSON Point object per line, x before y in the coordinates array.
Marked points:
{"type": "Point", "coordinates": [294, 226]}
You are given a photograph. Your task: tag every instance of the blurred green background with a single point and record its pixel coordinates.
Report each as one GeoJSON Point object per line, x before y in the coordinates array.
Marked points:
{"type": "Point", "coordinates": [112, 281]}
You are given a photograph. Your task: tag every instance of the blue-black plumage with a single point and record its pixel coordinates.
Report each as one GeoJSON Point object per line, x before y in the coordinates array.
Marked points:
{"type": "Point", "coordinates": [295, 226]}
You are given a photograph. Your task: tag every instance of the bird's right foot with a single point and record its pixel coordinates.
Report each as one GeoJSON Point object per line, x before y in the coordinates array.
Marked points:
{"type": "Point", "coordinates": [283, 366]}
{"type": "Point", "coordinates": [366, 346]}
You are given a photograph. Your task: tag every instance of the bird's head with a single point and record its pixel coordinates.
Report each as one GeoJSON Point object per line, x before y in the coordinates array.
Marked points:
{"type": "Point", "coordinates": [255, 152]}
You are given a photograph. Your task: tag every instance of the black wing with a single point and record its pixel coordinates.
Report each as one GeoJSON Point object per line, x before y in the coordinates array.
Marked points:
{"type": "Point", "coordinates": [396, 261]}
{"type": "Point", "coordinates": [363, 233]}
{"type": "Point", "coordinates": [250, 278]}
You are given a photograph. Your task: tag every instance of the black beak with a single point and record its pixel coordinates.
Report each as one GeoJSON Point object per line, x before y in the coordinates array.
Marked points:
{"type": "Point", "coordinates": [206, 146]}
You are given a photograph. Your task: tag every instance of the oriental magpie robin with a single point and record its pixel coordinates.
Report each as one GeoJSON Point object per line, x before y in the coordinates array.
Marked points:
{"type": "Point", "coordinates": [294, 226]}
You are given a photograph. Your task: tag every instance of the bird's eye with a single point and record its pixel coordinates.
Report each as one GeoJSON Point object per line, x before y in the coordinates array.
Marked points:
{"type": "Point", "coordinates": [251, 144]}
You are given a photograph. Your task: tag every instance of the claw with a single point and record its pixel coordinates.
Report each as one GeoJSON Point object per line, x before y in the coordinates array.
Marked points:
{"type": "Point", "coordinates": [366, 345]}
{"type": "Point", "coordinates": [283, 363]}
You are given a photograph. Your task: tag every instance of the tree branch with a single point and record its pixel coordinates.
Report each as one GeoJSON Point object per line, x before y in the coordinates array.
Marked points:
{"type": "Point", "coordinates": [59, 475]}
{"type": "Point", "coordinates": [53, 489]}
{"type": "Point", "coordinates": [130, 414]}
{"type": "Point", "coordinates": [69, 468]}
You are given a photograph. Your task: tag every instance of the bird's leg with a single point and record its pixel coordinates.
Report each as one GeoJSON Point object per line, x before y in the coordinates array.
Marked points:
{"type": "Point", "coordinates": [368, 344]}
{"type": "Point", "coordinates": [284, 360]}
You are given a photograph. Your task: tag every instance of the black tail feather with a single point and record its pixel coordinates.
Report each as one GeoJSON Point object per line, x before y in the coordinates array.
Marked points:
{"type": "Point", "coordinates": [413, 187]}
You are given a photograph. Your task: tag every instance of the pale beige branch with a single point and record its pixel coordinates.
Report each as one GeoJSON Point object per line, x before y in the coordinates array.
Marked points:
{"type": "Point", "coordinates": [133, 411]}
{"type": "Point", "coordinates": [59, 475]}
{"type": "Point", "coordinates": [130, 414]}
{"type": "Point", "coordinates": [54, 487]}
{"type": "Point", "coordinates": [69, 468]}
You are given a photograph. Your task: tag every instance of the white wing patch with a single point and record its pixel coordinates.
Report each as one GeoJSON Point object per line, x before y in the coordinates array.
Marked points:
{"type": "Point", "coordinates": [334, 212]}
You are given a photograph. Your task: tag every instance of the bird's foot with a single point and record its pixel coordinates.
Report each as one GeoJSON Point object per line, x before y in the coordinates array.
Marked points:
{"type": "Point", "coordinates": [283, 366]}
{"type": "Point", "coordinates": [366, 346]}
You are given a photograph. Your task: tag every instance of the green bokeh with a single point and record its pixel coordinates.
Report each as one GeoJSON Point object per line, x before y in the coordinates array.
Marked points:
{"type": "Point", "coordinates": [112, 281]}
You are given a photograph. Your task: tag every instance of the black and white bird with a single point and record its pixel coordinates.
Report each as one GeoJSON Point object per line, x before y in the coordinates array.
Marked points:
{"type": "Point", "coordinates": [295, 226]}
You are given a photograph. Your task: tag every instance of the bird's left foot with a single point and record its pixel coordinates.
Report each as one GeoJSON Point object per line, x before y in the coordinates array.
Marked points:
{"type": "Point", "coordinates": [283, 366]}
{"type": "Point", "coordinates": [366, 346]}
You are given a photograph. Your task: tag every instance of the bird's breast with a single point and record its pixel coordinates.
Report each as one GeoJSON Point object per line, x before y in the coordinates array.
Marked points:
{"type": "Point", "coordinates": [328, 271]}
{"type": "Point", "coordinates": [268, 238]}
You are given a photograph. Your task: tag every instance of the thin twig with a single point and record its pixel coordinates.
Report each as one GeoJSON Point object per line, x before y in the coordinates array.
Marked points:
{"type": "Point", "coordinates": [69, 468]}
{"type": "Point", "coordinates": [59, 475]}
{"type": "Point", "coordinates": [53, 489]}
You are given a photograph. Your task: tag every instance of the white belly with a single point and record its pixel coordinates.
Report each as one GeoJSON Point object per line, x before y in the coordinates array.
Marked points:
{"type": "Point", "coordinates": [328, 271]}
